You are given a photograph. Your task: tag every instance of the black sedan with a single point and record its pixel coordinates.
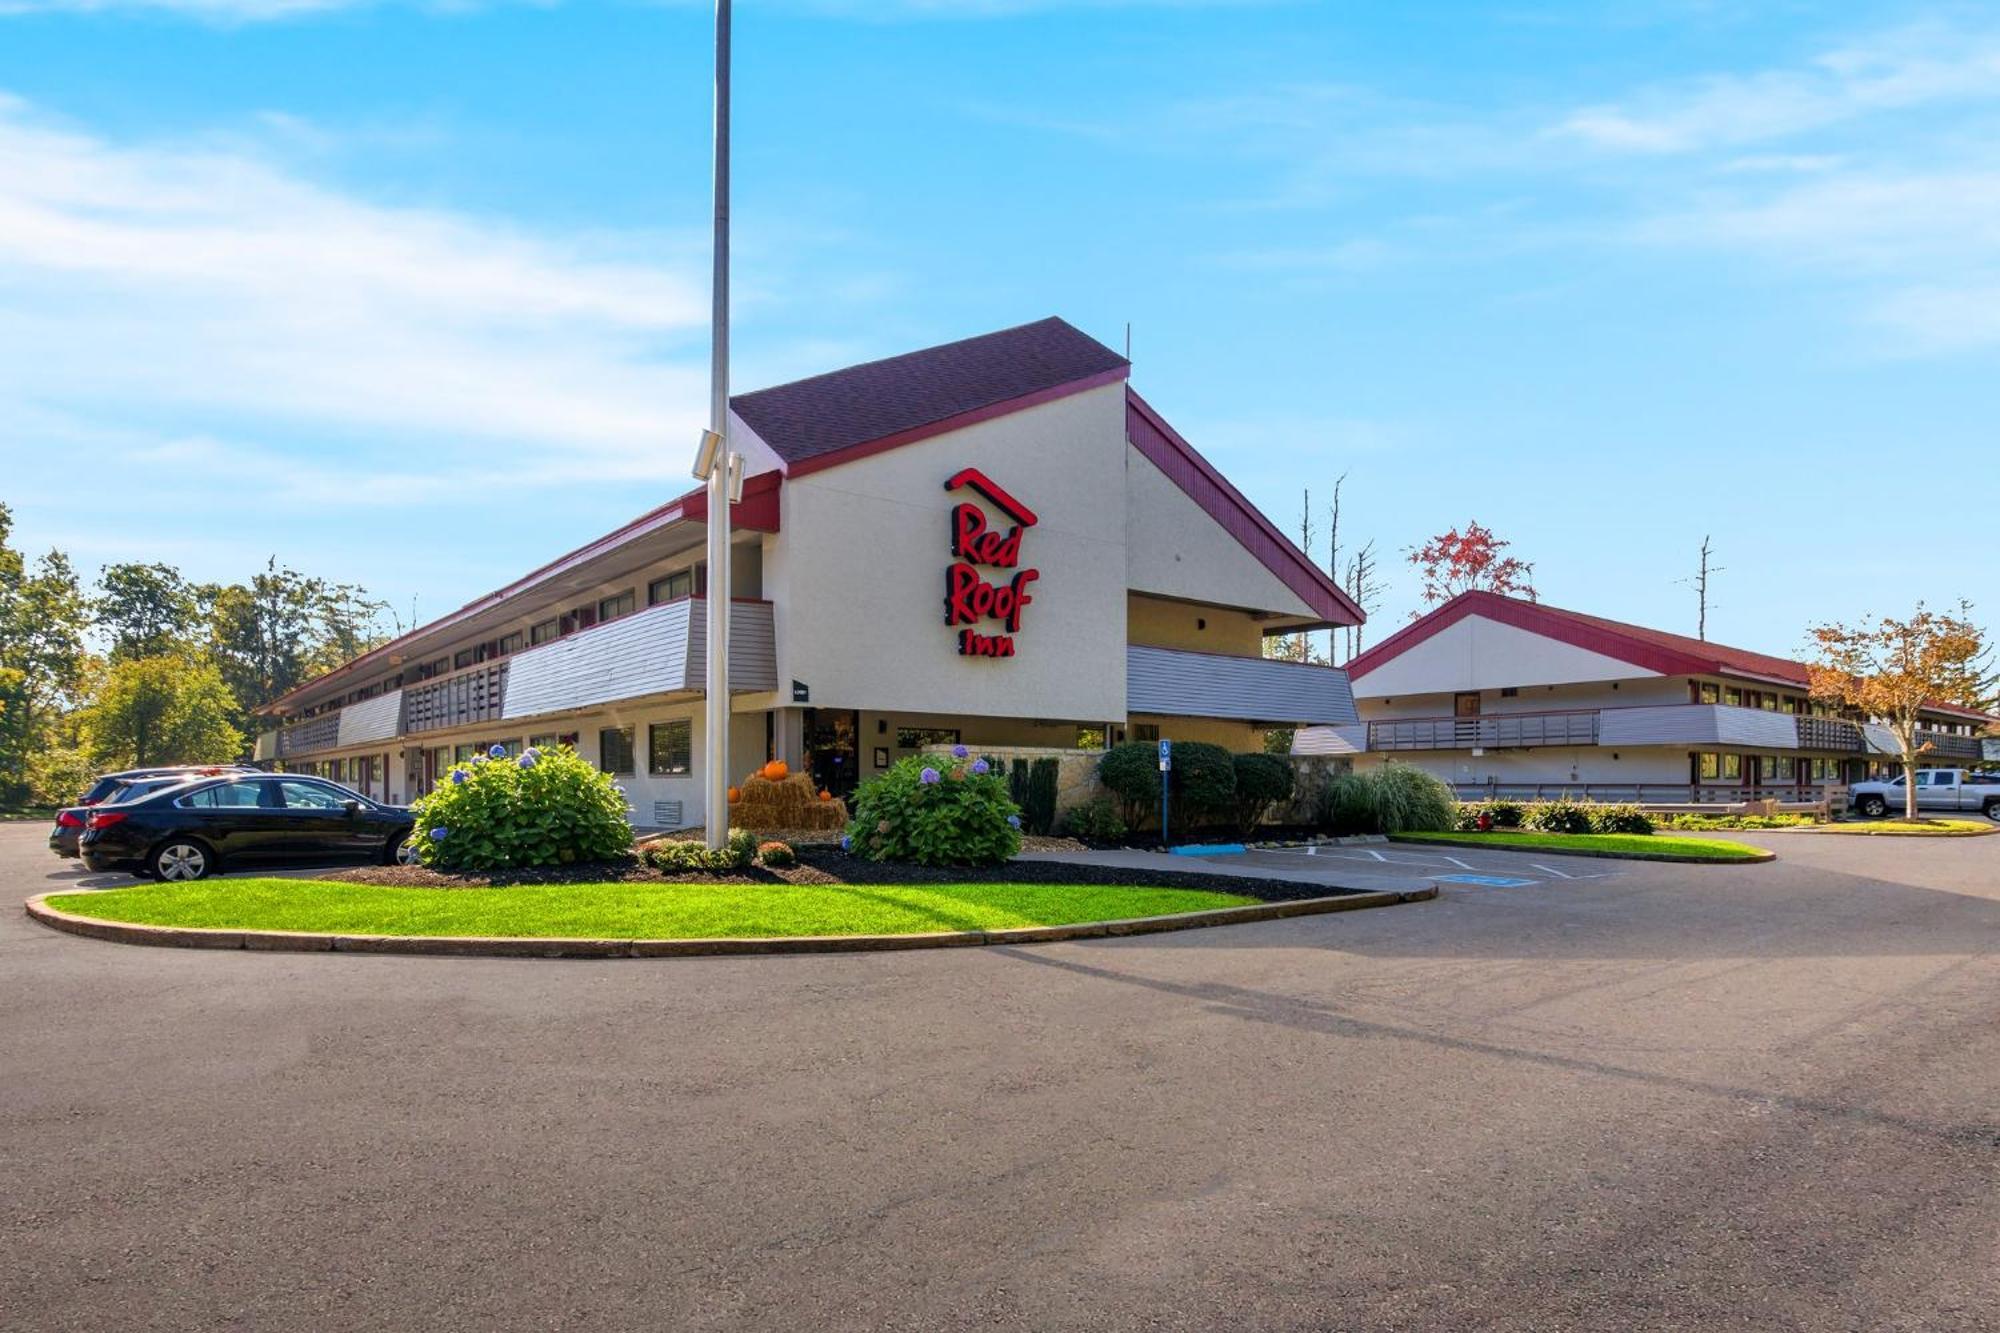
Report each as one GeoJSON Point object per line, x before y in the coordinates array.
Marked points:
{"type": "Point", "coordinates": [70, 822]}
{"type": "Point", "coordinates": [112, 786]}
{"type": "Point", "coordinates": [191, 829]}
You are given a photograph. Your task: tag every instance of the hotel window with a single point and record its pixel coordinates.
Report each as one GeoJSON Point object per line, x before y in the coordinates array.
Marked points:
{"type": "Point", "coordinates": [614, 750]}
{"type": "Point", "coordinates": [610, 608]}
{"type": "Point", "coordinates": [1090, 738]}
{"type": "Point", "coordinates": [548, 740]}
{"type": "Point", "coordinates": [1711, 693]}
{"type": "Point", "coordinates": [1790, 705]}
{"type": "Point", "coordinates": [1149, 732]}
{"type": "Point", "coordinates": [442, 665]}
{"type": "Point", "coordinates": [545, 632]}
{"type": "Point", "coordinates": [1732, 767]}
{"type": "Point", "coordinates": [669, 749]}
{"type": "Point", "coordinates": [510, 643]}
{"type": "Point", "coordinates": [463, 659]}
{"type": "Point", "coordinates": [1710, 767]}
{"type": "Point", "coordinates": [672, 588]}
{"type": "Point", "coordinates": [916, 738]}
{"type": "Point", "coordinates": [1768, 702]}
{"type": "Point", "coordinates": [1733, 697]}
{"type": "Point", "coordinates": [1780, 770]}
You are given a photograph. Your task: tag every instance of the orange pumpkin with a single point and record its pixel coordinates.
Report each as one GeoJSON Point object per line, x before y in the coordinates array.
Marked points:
{"type": "Point", "coordinates": [776, 770]}
{"type": "Point", "coordinates": [825, 795]}
{"type": "Point", "coordinates": [735, 795]}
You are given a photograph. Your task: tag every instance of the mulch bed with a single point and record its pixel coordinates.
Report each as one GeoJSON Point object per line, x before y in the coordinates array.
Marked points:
{"type": "Point", "coordinates": [830, 865]}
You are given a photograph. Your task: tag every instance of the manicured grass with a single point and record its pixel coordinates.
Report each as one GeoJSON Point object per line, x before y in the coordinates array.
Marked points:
{"type": "Point", "coordinates": [1923, 828]}
{"type": "Point", "coordinates": [1652, 846]}
{"type": "Point", "coordinates": [631, 910]}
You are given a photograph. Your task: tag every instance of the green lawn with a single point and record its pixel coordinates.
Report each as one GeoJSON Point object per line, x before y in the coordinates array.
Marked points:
{"type": "Point", "coordinates": [629, 911]}
{"type": "Point", "coordinates": [1660, 845]}
{"type": "Point", "coordinates": [1925, 828]}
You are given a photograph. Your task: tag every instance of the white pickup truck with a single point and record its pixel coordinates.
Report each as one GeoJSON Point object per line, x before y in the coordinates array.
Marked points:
{"type": "Point", "coordinates": [1937, 789]}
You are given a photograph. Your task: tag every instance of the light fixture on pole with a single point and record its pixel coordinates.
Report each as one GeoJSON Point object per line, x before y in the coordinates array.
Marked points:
{"type": "Point", "coordinates": [722, 470]}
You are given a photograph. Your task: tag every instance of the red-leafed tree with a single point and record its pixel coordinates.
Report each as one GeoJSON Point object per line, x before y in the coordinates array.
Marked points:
{"type": "Point", "coordinates": [1469, 560]}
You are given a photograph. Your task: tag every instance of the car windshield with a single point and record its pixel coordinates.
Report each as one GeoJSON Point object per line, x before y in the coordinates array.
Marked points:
{"type": "Point", "coordinates": [139, 790]}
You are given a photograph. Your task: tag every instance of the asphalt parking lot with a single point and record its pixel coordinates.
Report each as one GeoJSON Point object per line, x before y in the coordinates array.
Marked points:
{"type": "Point", "coordinates": [1717, 1097]}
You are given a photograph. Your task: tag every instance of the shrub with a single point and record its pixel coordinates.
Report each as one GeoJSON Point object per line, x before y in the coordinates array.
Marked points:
{"type": "Point", "coordinates": [1203, 783]}
{"type": "Point", "coordinates": [936, 810]}
{"type": "Point", "coordinates": [687, 854]}
{"type": "Point", "coordinates": [1409, 800]}
{"type": "Point", "coordinates": [544, 808]}
{"type": "Point", "coordinates": [1262, 782]}
{"type": "Point", "coordinates": [1469, 814]}
{"type": "Point", "coordinates": [1032, 786]}
{"type": "Point", "coordinates": [1131, 773]}
{"type": "Point", "coordinates": [1098, 820]}
{"type": "Point", "coordinates": [1350, 805]}
{"type": "Point", "coordinates": [1620, 819]}
{"type": "Point", "coordinates": [1506, 814]}
{"type": "Point", "coordinates": [776, 854]}
{"type": "Point", "coordinates": [1559, 816]}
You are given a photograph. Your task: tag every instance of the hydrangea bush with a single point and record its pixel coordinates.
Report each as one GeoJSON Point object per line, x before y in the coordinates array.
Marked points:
{"type": "Point", "coordinates": [541, 808]}
{"type": "Point", "coordinates": [936, 810]}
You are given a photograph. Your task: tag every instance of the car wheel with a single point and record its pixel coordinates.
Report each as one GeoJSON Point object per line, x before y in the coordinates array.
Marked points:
{"type": "Point", "coordinates": [1872, 806]}
{"type": "Point", "coordinates": [181, 859]}
{"type": "Point", "coordinates": [399, 852]}
{"type": "Point", "coordinates": [1993, 810]}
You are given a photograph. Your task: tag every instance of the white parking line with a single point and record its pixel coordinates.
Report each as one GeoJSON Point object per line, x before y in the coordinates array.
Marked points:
{"type": "Point", "coordinates": [1551, 870]}
{"type": "Point", "coordinates": [1455, 861]}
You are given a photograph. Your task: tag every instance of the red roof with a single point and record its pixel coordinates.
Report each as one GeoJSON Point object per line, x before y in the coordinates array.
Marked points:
{"type": "Point", "coordinates": [1655, 650]}
{"type": "Point", "coordinates": [814, 423]}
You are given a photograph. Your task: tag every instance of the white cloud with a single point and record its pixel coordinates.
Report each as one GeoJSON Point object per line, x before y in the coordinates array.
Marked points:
{"type": "Point", "coordinates": [1888, 72]}
{"type": "Point", "coordinates": [146, 286]}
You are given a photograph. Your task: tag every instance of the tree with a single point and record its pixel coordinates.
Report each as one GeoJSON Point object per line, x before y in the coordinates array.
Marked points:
{"type": "Point", "coordinates": [161, 710]}
{"type": "Point", "coordinates": [1364, 587]}
{"type": "Point", "coordinates": [1457, 562]}
{"type": "Point", "coordinates": [43, 615]}
{"type": "Point", "coordinates": [1891, 670]}
{"type": "Point", "coordinates": [1700, 585]}
{"type": "Point", "coordinates": [147, 610]}
{"type": "Point", "coordinates": [284, 627]}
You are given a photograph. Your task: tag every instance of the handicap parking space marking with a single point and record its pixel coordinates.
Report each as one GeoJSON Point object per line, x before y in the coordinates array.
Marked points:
{"type": "Point", "coordinates": [1486, 881]}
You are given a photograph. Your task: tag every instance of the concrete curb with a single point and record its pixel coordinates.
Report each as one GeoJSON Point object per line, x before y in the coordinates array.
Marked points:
{"type": "Point", "coordinates": [1593, 853]}
{"type": "Point", "coordinates": [488, 946]}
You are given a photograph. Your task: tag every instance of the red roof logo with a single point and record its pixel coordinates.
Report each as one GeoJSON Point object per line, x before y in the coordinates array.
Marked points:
{"type": "Point", "coordinates": [972, 478]}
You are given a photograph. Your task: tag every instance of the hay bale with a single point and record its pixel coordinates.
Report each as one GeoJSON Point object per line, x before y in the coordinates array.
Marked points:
{"type": "Point", "coordinates": [791, 802]}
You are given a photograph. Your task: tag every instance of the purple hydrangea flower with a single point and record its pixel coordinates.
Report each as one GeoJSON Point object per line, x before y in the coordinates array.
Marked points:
{"type": "Point", "coordinates": [458, 777]}
{"type": "Point", "coordinates": [527, 760]}
{"type": "Point", "coordinates": [959, 752]}
{"type": "Point", "coordinates": [928, 776]}
{"type": "Point", "coordinates": [437, 834]}
{"type": "Point", "coordinates": [531, 753]}
{"type": "Point", "coordinates": [497, 752]}
{"type": "Point", "coordinates": [1013, 821]}
{"type": "Point", "coordinates": [479, 759]}
{"type": "Point", "coordinates": [846, 843]}
{"type": "Point", "coordinates": [981, 766]}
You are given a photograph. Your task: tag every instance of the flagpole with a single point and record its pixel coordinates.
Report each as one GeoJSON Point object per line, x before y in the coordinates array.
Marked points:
{"type": "Point", "coordinates": [715, 757]}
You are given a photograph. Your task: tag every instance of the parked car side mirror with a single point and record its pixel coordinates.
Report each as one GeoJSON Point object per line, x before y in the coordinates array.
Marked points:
{"type": "Point", "coordinates": [352, 807]}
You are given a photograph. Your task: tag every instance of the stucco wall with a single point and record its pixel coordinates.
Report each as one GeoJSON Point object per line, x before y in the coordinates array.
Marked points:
{"type": "Point", "coordinates": [1192, 627]}
{"type": "Point", "coordinates": [1541, 698]}
{"type": "Point", "coordinates": [1173, 548]}
{"type": "Point", "coordinates": [859, 572]}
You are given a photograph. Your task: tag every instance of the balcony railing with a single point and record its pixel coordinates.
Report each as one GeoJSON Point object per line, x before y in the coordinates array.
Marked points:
{"type": "Point", "coordinates": [1493, 731]}
{"type": "Point", "coordinates": [315, 733]}
{"type": "Point", "coordinates": [1831, 734]}
{"type": "Point", "coordinates": [476, 695]}
{"type": "Point", "coordinates": [1652, 793]}
{"type": "Point", "coordinates": [1945, 745]}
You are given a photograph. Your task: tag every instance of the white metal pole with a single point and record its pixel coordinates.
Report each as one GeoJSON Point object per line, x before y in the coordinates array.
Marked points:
{"type": "Point", "coordinates": [715, 756]}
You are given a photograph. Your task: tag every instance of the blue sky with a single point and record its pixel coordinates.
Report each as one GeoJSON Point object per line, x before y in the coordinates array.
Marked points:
{"type": "Point", "coordinates": [416, 295]}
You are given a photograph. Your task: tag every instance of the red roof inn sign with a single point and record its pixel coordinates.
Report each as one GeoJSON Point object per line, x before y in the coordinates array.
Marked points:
{"type": "Point", "coordinates": [969, 597]}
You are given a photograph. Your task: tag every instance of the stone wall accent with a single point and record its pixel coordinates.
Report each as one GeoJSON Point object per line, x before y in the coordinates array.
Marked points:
{"type": "Point", "coordinates": [1077, 784]}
